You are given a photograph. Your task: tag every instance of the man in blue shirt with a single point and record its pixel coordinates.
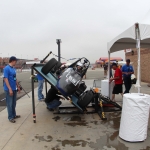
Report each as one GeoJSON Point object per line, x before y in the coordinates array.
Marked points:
{"type": "Point", "coordinates": [40, 87]}
{"type": "Point", "coordinates": [10, 88]}
{"type": "Point", "coordinates": [127, 71]}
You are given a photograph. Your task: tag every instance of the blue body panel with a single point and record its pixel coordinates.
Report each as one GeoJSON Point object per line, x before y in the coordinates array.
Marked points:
{"type": "Point", "coordinates": [49, 77]}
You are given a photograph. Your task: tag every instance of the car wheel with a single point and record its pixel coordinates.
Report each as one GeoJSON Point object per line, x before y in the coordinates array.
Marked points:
{"type": "Point", "coordinates": [57, 66]}
{"type": "Point", "coordinates": [85, 98]}
{"type": "Point", "coordinates": [49, 65]}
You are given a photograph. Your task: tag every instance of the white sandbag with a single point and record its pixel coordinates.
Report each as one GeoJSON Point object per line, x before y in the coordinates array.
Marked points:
{"type": "Point", "coordinates": [134, 118]}
{"type": "Point", "coordinates": [105, 87]}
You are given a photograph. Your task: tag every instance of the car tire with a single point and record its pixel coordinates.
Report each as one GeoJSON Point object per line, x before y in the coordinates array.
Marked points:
{"type": "Point", "coordinates": [85, 98]}
{"type": "Point", "coordinates": [57, 66]}
{"type": "Point", "coordinates": [49, 65]}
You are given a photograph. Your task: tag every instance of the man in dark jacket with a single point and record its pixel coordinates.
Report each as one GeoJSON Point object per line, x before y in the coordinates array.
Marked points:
{"type": "Point", "coordinates": [105, 70]}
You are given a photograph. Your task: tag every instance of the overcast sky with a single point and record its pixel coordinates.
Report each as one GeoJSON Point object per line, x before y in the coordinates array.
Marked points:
{"type": "Point", "coordinates": [29, 28]}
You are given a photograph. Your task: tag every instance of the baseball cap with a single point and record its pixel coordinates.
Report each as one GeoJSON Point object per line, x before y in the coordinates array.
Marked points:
{"type": "Point", "coordinates": [127, 60]}
{"type": "Point", "coordinates": [114, 64]}
{"type": "Point", "coordinates": [12, 58]}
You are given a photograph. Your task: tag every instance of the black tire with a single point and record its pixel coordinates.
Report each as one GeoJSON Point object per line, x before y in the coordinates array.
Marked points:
{"type": "Point", "coordinates": [57, 66]}
{"type": "Point", "coordinates": [85, 98]}
{"type": "Point", "coordinates": [49, 65]}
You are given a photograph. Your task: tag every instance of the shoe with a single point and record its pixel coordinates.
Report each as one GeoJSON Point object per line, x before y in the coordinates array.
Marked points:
{"type": "Point", "coordinates": [50, 109]}
{"type": "Point", "coordinates": [113, 101]}
{"type": "Point", "coordinates": [17, 116]}
{"type": "Point", "coordinates": [41, 100]}
{"type": "Point", "coordinates": [12, 121]}
{"type": "Point", "coordinates": [56, 110]}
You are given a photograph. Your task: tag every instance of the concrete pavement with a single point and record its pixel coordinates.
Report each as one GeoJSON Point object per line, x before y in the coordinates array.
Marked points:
{"type": "Point", "coordinates": [64, 132]}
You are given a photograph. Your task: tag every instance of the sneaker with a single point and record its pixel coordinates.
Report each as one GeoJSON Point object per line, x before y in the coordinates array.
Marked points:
{"type": "Point", "coordinates": [17, 116]}
{"type": "Point", "coordinates": [113, 100]}
{"type": "Point", "coordinates": [56, 110]}
{"type": "Point", "coordinates": [41, 100]}
{"type": "Point", "coordinates": [50, 109]}
{"type": "Point", "coordinates": [12, 120]}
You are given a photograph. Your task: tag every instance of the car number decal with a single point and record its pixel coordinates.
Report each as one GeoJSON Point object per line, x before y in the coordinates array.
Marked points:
{"type": "Point", "coordinates": [72, 79]}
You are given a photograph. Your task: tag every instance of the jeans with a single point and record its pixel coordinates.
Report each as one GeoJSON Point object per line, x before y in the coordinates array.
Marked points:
{"type": "Point", "coordinates": [54, 104]}
{"type": "Point", "coordinates": [11, 104]}
{"type": "Point", "coordinates": [127, 83]}
{"type": "Point", "coordinates": [40, 89]}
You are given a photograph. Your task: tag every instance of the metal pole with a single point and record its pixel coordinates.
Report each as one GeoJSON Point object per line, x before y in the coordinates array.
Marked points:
{"type": "Point", "coordinates": [46, 87]}
{"type": "Point", "coordinates": [108, 76]}
{"type": "Point", "coordinates": [46, 57]}
{"type": "Point", "coordinates": [59, 52]}
{"type": "Point", "coordinates": [33, 100]}
{"type": "Point", "coordinates": [58, 41]}
{"type": "Point", "coordinates": [139, 57]}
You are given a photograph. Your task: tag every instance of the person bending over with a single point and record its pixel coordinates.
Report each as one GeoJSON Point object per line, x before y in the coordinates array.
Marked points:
{"type": "Point", "coordinates": [52, 99]}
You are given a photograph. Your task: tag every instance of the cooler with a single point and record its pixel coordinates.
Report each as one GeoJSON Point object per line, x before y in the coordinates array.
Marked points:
{"type": "Point", "coordinates": [105, 87]}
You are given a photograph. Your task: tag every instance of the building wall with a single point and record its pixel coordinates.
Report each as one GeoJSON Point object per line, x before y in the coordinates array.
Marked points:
{"type": "Point", "coordinates": [145, 63]}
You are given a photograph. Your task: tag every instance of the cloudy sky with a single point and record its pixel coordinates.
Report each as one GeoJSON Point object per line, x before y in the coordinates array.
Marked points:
{"type": "Point", "coordinates": [29, 28]}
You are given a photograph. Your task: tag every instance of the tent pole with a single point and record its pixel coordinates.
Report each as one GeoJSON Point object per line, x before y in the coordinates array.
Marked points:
{"type": "Point", "coordinates": [138, 67]}
{"type": "Point", "coordinates": [139, 57]}
{"type": "Point", "coordinates": [108, 76]}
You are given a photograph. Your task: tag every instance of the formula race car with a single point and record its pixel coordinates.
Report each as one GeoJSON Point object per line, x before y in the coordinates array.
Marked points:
{"type": "Point", "coordinates": [68, 78]}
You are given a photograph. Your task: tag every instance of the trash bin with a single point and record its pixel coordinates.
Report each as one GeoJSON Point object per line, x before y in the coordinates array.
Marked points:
{"type": "Point", "coordinates": [134, 118]}
{"type": "Point", "coordinates": [105, 87]}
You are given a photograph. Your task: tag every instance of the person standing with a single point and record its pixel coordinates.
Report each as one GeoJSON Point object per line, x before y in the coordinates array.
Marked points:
{"type": "Point", "coordinates": [40, 87]}
{"type": "Point", "coordinates": [127, 71]}
{"type": "Point", "coordinates": [105, 66]}
{"type": "Point", "coordinates": [118, 81]}
{"type": "Point", "coordinates": [11, 86]}
{"type": "Point", "coordinates": [111, 74]}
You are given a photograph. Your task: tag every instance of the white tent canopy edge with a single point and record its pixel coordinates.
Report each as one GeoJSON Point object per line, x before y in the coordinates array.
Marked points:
{"type": "Point", "coordinates": [137, 36]}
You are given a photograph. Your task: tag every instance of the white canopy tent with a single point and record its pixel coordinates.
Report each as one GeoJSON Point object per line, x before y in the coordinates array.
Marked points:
{"type": "Point", "coordinates": [137, 36]}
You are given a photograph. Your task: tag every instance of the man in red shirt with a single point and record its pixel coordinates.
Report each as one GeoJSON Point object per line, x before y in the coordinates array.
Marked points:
{"type": "Point", "coordinates": [118, 81]}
